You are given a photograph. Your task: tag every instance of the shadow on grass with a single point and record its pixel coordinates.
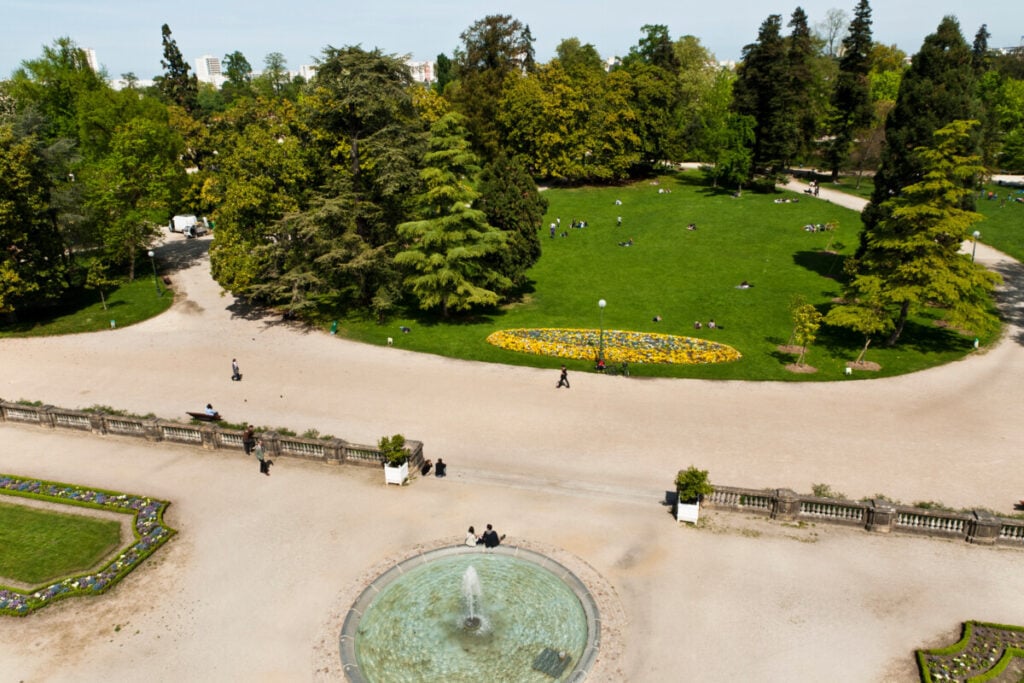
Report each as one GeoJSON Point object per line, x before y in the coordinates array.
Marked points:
{"type": "Point", "coordinates": [821, 262]}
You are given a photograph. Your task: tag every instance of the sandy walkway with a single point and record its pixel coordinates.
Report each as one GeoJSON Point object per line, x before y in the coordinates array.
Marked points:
{"type": "Point", "coordinates": [251, 583]}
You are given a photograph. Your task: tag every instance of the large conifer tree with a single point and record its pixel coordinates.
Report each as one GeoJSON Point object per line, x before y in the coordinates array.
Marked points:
{"type": "Point", "coordinates": [851, 99]}
{"type": "Point", "coordinates": [937, 89]}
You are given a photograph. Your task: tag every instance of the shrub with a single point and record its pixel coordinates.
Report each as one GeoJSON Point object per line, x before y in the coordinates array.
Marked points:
{"type": "Point", "coordinates": [692, 485]}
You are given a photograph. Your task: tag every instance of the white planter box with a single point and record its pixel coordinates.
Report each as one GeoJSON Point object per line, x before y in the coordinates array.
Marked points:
{"type": "Point", "coordinates": [396, 475]}
{"type": "Point", "coordinates": [687, 512]}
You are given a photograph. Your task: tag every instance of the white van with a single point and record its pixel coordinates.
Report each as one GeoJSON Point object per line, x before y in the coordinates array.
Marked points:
{"type": "Point", "coordinates": [188, 225]}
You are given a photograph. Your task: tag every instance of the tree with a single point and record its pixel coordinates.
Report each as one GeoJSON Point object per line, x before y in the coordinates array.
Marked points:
{"type": "Point", "coordinates": [937, 89]}
{"type": "Point", "coordinates": [577, 58]}
{"type": "Point", "coordinates": [762, 92]}
{"type": "Point", "coordinates": [135, 187]}
{"type": "Point", "coordinates": [511, 203]}
{"type": "Point", "coordinates": [800, 104]}
{"type": "Point", "coordinates": [444, 73]}
{"type": "Point", "coordinates": [176, 84]}
{"type": "Point", "coordinates": [914, 251]}
{"type": "Point", "coordinates": [733, 158]}
{"type": "Point", "coordinates": [493, 49]}
{"type": "Point", "coordinates": [830, 30]}
{"type": "Point", "coordinates": [851, 99]}
{"type": "Point", "coordinates": [98, 278]}
{"type": "Point", "coordinates": [33, 271]}
{"type": "Point", "coordinates": [863, 310]}
{"type": "Point", "coordinates": [239, 76]}
{"type": "Point", "coordinates": [654, 48]}
{"type": "Point", "coordinates": [274, 81]}
{"type": "Point", "coordinates": [448, 250]}
{"type": "Point", "coordinates": [806, 322]}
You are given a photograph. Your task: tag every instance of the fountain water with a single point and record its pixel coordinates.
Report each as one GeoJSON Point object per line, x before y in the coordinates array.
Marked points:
{"type": "Point", "coordinates": [471, 594]}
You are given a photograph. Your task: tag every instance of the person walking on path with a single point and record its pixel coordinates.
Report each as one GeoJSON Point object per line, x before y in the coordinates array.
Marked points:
{"type": "Point", "coordinates": [236, 374]}
{"type": "Point", "coordinates": [261, 455]}
{"type": "Point", "coordinates": [563, 380]}
{"type": "Point", "coordinates": [248, 440]}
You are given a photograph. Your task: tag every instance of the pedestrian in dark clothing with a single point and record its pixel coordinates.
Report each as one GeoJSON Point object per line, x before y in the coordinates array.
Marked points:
{"type": "Point", "coordinates": [236, 374]}
{"type": "Point", "coordinates": [248, 440]}
{"type": "Point", "coordinates": [491, 538]}
{"type": "Point", "coordinates": [563, 381]}
{"type": "Point", "coordinates": [441, 468]}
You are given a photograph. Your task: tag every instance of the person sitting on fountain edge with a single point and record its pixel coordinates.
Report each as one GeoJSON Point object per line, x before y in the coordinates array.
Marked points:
{"type": "Point", "coordinates": [491, 538]}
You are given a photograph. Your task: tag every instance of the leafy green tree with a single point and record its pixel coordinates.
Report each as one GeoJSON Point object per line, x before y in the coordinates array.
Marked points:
{"type": "Point", "coordinates": [493, 49]}
{"type": "Point", "coordinates": [135, 187]}
{"type": "Point", "coordinates": [577, 58]}
{"type": "Point", "coordinates": [275, 81]}
{"type": "Point", "coordinates": [239, 76]}
{"type": "Point", "coordinates": [914, 251]}
{"type": "Point", "coordinates": [863, 310]}
{"type": "Point", "coordinates": [732, 142]}
{"type": "Point", "coordinates": [937, 89]}
{"type": "Point", "coordinates": [448, 250]}
{"type": "Point", "coordinates": [98, 278]}
{"type": "Point", "coordinates": [851, 99]}
{"type": "Point", "coordinates": [510, 202]}
{"type": "Point", "coordinates": [654, 48]}
{"type": "Point", "coordinates": [177, 85]}
{"type": "Point", "coordinates": [33, 270]}
{"type": "Point", "coordinates": [54, 85]}
{"type": "Point", "coordinates": [806, 323]}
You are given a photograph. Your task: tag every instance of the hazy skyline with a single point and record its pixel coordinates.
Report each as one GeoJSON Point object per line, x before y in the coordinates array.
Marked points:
{"type": "Point", "coordinates": [126, 35]}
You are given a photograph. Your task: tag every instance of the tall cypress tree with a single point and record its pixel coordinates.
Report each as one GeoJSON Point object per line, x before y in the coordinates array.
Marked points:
{"type": "Point", "coordinates": [800, 56]}
{"type": "Point", "coordinates": [176, 84]}
{"type": "Point", "coordinates": [851, 99]}
{"type": "Point", "coordinates": [937, 89]}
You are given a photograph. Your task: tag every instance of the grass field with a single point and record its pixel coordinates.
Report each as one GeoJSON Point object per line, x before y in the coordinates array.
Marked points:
{"type": "Point", "coordinates": [38, 545]}
{"type": "Point", "coordinates": [132, 302]}
{"type": "Point", "coordinates": [684, 276]}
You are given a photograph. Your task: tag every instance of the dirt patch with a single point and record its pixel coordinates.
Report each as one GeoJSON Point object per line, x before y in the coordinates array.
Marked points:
{"type": "Point", "coordinates": [864, 365]}
{"type": "Point", "coordinates": [790, 348]}
{"type": "Point", "coordinates": [801, 369]}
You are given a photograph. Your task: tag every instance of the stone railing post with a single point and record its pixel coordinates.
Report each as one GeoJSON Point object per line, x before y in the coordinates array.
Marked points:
{"type": "Point", "coordinates": [209, 437]}
{"type": "Point", "coordinates": [787, 505]}
{"type": "Point", "coordinates": [985, 528]}
{"type": "Point", "coordinates": [151, 428]}
{"type": "Point", "coordinates": [97, 425]}
{"type": "Point", "coordinates": [271, 444]}
{"type": "Point", "coordinates": [335, 450]}
{"type": "Point", "coordinates": [46, 416]}
{"type": "Point", "coordinates": [881, 517]}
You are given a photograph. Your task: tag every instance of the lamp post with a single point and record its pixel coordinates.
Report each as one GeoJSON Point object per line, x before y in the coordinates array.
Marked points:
{"type": "Point", "coordinates": [156, 283]}
{"type": "Point", "coordinates": [974, 248]}
{"type": "Point", "coordinates": [600, 339]}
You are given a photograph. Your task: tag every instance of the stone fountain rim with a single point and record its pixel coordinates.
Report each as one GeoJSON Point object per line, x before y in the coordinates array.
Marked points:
{"type": "Point", "coordinates": [601, 607]}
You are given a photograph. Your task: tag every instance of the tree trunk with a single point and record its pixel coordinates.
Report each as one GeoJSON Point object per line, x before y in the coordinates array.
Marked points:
{"type": "Point", "coordinates": [900, 322]}
{"type": "Point", "coordinates": [103, 299]}
{"type": "Point", "coordinates": [864, 350]}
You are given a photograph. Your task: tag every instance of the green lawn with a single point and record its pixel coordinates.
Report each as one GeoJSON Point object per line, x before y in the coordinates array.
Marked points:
{"type": "Point", "coordinates": [683, 276]}
{"type": "Point", "coordinates": [1003, 227]}
{"type": "Point", "coordinates": [131, 303]}
{"type": "Point", "coordinates": [38, 545]}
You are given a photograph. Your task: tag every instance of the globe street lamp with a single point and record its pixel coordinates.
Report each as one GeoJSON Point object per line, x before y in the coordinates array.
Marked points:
{"type": "Point", "coordinates": [156, 283]}
{"type": "Point", "coordinates": [600, 339]}
{"type": "Point", "coordinates": [975, 235]}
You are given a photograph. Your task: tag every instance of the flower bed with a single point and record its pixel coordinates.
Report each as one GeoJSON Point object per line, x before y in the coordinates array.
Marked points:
{"type": "Point", "coordinates": [984, 653]}
{"type": "Point", "coordinates": [149, 528]}
{"type": "Point", "coordinates": [620, 346]}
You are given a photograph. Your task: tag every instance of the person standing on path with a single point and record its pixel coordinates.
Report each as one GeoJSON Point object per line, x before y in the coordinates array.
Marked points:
{"type": "Point", "coordinates": [236, 374]}
{"type": "Point", "coordinates": [261, 455]}
{"type": "Point", "coordinates": [563, 380]}
{"type": "Point", "coordinates": [248, 440]}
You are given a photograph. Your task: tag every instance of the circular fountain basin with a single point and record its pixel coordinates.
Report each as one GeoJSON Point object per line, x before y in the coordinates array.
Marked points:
{"type": "Point", "coordinates": [411, 624]}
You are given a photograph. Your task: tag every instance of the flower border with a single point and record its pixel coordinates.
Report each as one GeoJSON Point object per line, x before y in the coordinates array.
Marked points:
{"type": "Point", "coordinates": [149, 528]}
{"type": "Point", "coordinates": [620, 346]}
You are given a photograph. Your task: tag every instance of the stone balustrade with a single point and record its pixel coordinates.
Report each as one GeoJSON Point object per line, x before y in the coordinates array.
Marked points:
{"type": "Point", "coordinates": [880, 516]}
{"type": "Point", "coordinates": [206, 435]}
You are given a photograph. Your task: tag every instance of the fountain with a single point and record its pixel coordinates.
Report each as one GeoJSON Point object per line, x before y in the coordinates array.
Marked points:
{"type": "Point", "coordinates": [461, 614]}
{"type": "Point", "coordinates": [471, 593]}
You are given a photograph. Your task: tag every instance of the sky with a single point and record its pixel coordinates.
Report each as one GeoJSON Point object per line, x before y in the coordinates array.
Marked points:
{"type": "Point", "coordinates": [126, 33]}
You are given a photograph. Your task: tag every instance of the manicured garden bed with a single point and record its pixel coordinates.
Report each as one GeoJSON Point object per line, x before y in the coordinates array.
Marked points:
{"type": "Point", "coordinates": [148, 527]}
{"type": "Point", "coordinates": [985, 652]}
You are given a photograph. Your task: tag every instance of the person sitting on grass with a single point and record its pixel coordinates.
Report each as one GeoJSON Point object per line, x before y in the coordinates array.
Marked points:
{"type": "Point", "coordinates": [627, 243]}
